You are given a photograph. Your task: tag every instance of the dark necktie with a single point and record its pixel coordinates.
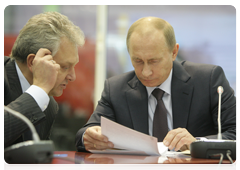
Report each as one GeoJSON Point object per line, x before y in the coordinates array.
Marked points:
{"type": "Point", "coordinates": [160, 125]}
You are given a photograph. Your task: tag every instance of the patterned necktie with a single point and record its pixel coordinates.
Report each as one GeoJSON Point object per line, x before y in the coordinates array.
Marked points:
{"type": "Point", "coordinates": [160, 125]}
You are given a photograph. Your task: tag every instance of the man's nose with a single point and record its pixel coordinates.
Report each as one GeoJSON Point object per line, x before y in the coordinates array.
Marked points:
{"type": "Point", "coordinates": [147, 71]}
{"type": "Point", "coordinates": [71, 75]}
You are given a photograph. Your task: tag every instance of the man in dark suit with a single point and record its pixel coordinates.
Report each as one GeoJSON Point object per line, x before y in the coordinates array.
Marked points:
{"type": "Point", "coordinates": [190, 97]}
{"type": "Point", "coordinates": [40, 66]}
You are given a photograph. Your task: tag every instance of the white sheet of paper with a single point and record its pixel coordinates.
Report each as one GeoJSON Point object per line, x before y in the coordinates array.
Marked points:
{"type": "Point", "coordinates": [129, 140]}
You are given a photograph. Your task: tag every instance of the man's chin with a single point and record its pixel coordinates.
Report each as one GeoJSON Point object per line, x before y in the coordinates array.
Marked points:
{"type": "Point", "coordinates": [56, 93]}
{"type": "Point", "coordinates": [149, 84]}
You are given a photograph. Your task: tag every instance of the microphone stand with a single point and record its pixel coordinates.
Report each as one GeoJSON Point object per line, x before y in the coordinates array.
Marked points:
{"type": "Point", "coordinates": [215, 148]}
{"type": "Point", "coordinates": [27, 152]}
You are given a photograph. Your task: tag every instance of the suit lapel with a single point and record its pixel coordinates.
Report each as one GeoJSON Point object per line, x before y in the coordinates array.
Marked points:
{"type": "Point", "coordinates": [138, 105]}
{"type": "Point", "coordinates": [50, 112]}
{"type": "Point", "coordinates": [181, 100]}
{"type": "Point", "coordinates": [13, 79]}
{"type": "Point", "coordinates": [181, 95]}
{"type": "Point", "coordinates": [44, 127]}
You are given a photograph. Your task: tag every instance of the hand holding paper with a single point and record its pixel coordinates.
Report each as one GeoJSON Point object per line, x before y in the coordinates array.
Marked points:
{"type": "Point", "coordinates": [129, 141]}
{"type": "Point", "coordinates": [93, 139]}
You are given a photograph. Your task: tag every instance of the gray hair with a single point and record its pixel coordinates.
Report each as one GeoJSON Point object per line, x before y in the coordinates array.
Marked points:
{"type": "Point", "coordinates": [45, 31]}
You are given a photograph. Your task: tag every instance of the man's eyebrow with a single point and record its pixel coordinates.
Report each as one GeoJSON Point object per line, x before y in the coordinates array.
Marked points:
{"type": "Point", "coordinates": [135, 58]}
{"type": "Point", "coordinates": [68, 63]}
{"type": "Point", "coordinates": [154, 59]}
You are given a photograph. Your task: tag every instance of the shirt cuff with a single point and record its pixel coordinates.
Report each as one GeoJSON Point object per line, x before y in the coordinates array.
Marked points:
{"type": "Point", "coordinates": [39, 95]}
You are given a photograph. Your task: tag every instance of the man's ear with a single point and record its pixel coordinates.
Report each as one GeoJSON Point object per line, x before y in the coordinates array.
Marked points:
{"type": "Point", "coordinates": [30, 59]}
{"type": "Point", "coordinates": [175, 51]}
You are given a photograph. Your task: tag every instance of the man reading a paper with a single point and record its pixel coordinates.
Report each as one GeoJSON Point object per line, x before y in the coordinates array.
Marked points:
{"type": "Point", "coordinates": [173, 101]}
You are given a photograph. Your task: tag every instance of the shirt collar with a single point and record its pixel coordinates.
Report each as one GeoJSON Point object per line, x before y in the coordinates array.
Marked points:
{"type": "Point", "coordinates": [165, 86]}
{"type": "Point", "coordinates": [23, 81]}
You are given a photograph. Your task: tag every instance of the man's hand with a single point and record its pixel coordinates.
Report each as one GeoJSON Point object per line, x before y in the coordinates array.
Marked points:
{"type": "Point", "coordinates": [45, 70]}
{"type": "Point", "coordinates": [179, 138]}
{"type": "Point", "coordinates": [93, 139]}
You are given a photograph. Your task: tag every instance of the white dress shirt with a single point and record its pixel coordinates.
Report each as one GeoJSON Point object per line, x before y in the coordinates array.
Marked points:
{"type": "Point", "coordinates": [167, 100]}
{"type": "Point", "coordinates": [40, 96]}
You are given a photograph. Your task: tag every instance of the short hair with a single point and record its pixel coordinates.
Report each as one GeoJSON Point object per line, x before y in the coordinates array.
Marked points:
{"type": "Point", "coordinates": [45, 30]}
{"type": "Point", "coordinates": [158, 24]}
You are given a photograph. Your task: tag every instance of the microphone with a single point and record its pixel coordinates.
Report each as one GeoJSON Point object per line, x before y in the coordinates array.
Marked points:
{"type": "Point", "coordinates": [28, 152]}
{"type": "Point", "coordinates": [220, 91]}
{"type": "Point", "coordinates": [213, 148]}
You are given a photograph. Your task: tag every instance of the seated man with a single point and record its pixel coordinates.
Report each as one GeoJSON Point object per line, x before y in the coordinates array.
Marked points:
{"type": "Point", "coordinates": [188, 107]}
{"type": "Point", "coordinates": [40, 66]}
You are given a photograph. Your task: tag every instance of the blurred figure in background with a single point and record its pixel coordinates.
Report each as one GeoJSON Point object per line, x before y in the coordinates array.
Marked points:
{"type": "Point", "coordinates": [40, 66]}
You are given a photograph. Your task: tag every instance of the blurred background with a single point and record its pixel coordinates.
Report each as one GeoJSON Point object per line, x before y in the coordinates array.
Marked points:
{"type": "Point", "coordinates": [206, 34]}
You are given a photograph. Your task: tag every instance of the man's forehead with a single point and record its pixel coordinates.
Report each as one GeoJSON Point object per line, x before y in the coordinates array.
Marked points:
{"type": "Point", "coordinates": [70, 59]}
{"type": "Point", "coordinates": [147, 34]}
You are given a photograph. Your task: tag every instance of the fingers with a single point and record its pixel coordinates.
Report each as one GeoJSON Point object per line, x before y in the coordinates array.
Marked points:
{"type": "Point", "coordinates": [95, 133]}
{"type": "Point", "coordinates": [178, 139]}
{"type": "Point", "coordinates": [43, 52]}
{"type": "Point", "coordinates": [45, 70]}
{"type": "Point", "coordinates": [54, 62]}
{"type": "Point", "coordinates": [94, 143]}
{"type": "Point", "coordinates": [93, 139]}
{"type": "Point", "coordinates": [184, 147]}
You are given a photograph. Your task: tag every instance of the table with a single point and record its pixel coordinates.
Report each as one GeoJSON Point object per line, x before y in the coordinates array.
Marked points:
{"type": "Point", "coordinates": [72, 160]}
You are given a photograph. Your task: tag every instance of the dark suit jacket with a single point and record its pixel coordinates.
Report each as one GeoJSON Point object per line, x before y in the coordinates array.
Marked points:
{"type": "Point", "coordinates": [15, 130]}
{"type": "Point", "coordinates": [194, 102]}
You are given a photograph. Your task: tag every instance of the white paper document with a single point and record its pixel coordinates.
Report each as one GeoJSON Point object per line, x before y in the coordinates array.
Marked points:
{"type": "Point", "coordinates": [129, 141]}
